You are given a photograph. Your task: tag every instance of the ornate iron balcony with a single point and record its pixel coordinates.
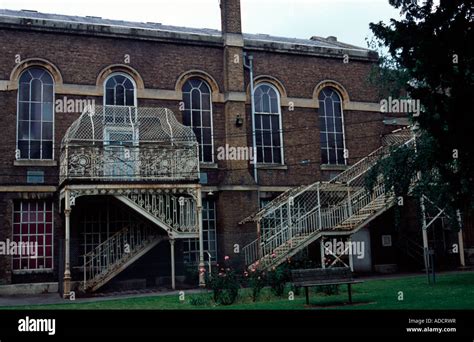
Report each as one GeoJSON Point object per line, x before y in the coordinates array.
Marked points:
{"type": "Point", "coordinates": [129, 144]}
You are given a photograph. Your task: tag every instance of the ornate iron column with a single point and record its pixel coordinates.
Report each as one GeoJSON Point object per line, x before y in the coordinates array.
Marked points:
{"type": "Point", "coordinates": [67, 271]}
{"type": "Point", "coordinates": [173, 275]}
{"type": "Point", "coordinates": [202, 269]}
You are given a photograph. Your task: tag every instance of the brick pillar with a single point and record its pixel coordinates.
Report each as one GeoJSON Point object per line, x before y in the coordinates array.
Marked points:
{"type": "Point", "coordinates": [233, 206]}
{"type": "Point", "coordinates": [234, 92]}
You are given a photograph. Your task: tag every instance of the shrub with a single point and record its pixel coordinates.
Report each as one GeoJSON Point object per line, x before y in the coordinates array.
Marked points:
{"type": "Point", "coordinates": [277, 279]}
{"type": "Point", "coordinates": [255, 279]}
{"type": "Point", "coordinates": [225, 285]}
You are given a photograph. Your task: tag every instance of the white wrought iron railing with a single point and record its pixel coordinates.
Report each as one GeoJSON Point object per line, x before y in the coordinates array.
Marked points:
{"type": "Point", "coordinates": [335, 204]}
{"type": "Point", "coordinates": [120, 143]}
{"type": "Point", "coordinates": [176, 211]}
{"type": "Point", "coordinates": [115, 251]}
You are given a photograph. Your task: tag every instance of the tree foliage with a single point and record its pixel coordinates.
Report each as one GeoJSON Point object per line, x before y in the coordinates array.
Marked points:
{"type": "Point", "coordinates": [431, 55]}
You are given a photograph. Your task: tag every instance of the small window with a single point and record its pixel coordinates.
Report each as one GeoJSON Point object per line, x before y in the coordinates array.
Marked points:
{"type": "Point", "coordinates": [33, 233]}
{"type": "Point", "coordinates": [332, 127]}
{"type": "Point", "coordinates": [35, 130]}
{"type": "Point", "coordinates": [267, 128]}
{"type": "Point", "coordinates": [198, 115]}
{"type": "Point", "coordinates": [120, 91]}
{"type": "Point", "coordinates": [387, 240]}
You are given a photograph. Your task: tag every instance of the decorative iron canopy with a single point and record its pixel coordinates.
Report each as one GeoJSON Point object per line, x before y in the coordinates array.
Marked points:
{"type": "Point", "coordinates": [127, 126]}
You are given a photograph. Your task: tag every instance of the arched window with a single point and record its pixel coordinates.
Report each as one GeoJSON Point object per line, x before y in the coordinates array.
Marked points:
{"type": "Point", "coordinates": [120, 90]}
{"type": "Point", "coordinates": [268, 125]}
{"type": "Point", "coordinates": [332, 127]}
{"type": "Point", "coordinates": [198, 115]}
{"type": "Point", "coordinates": [35, 131]}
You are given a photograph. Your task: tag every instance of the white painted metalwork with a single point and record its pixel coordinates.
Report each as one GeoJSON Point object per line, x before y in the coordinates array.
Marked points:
{"type": "Point", "coordinates": [167, 208]}
{"type": "Point", "coordinates": [301, 215]}
{"type": "Point", "coordinates": [118, 143]}
{"type": "Point", "coordinates": [111, 256]}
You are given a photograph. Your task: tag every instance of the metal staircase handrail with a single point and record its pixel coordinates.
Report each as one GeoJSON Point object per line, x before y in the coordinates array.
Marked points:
{"type": "Point", "coordinates": [113, 251]}
{"type": "Point", "coordinates": [339, 179]}
{"type": "Point", "coordinates": [335, 207]}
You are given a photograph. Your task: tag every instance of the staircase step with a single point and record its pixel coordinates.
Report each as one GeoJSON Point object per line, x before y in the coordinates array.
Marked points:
{"type": "Point", "coordinates": [334, 201]}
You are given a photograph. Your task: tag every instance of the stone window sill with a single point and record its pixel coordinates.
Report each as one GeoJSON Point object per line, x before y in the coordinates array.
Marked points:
{"type": "Point", "coordinates": [35, 163]}
{"type": "Point", "coordinates": [22, 272]}
{"type": "Point", "coordinates": [333, 167]}
{"type": "Point", "coordinates": [208, 166]}
{"type": "Point", "coordinates": [272, 167]}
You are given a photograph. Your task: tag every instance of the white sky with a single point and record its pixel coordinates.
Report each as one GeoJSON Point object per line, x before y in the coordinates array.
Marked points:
{"type": "Point", "coordinates": [346, 19]}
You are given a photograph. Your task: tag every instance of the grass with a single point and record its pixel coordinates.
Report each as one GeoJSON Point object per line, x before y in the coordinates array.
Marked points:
{"type": "Point", "coordinates": [452, 291]}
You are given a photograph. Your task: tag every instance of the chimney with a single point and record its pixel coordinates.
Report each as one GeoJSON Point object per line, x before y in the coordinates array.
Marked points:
{"type": "Point", "coordinates": [230, 16]}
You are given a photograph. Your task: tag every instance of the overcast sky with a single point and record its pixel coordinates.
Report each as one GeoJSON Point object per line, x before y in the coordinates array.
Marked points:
{"type": "Point", "coordinates": [346, 19]}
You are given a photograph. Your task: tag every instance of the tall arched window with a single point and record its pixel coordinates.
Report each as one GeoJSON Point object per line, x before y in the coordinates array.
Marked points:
{"type": "Point", "coordinates": [35, 131]}
{"type": "Point", "coordinates": [198, 115]}
{"type": "Point", "coordinates": [268, 125]}
{"type": "Point", "coordinates": [332, 127]}
{"type": "Point", "coordinates": [120, 90]}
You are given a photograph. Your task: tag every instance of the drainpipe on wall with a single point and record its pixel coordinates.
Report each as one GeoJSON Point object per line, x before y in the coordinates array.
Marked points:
{"type": "Point", "coordinates": [249, 66]}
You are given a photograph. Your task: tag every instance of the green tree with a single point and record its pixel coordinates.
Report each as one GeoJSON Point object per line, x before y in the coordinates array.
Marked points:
{"type": "Point", "coordinates": [431, 54]}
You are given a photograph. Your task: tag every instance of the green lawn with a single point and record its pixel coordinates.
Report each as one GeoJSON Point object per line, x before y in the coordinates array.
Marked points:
{"type": "Point", "coordinates": [452, 291]}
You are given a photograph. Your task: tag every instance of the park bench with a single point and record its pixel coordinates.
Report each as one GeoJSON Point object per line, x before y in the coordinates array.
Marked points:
{"type": "Point", "coordinates": [323, 276]}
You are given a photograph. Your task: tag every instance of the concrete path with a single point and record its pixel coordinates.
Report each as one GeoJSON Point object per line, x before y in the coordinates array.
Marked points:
{"type": "Point", "coordinates": [54, 298]}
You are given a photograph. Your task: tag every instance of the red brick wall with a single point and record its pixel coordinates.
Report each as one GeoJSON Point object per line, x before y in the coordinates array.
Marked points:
{"type": "Point", "coordinates": [80, 59]}
{"type": "Point", "coordinates": [300, 74]}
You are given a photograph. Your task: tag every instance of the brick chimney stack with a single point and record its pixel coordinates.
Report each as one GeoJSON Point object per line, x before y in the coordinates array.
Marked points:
{"type": "Point", "coordinates": [231, 17]}
{"type": "Point", "coordinates": [234, 91]}
{"type": "Point", "coordinates": [237, 129]}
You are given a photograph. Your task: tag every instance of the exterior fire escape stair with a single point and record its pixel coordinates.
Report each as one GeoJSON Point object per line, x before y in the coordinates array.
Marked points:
{"type": "Point", "coordinates": [341, 206]}
{"type": "Point", "coordinates": [117, 253]}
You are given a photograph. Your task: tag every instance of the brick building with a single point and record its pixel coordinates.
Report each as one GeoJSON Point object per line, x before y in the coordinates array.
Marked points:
{"type": "Point", "coordinates": [87, 184]}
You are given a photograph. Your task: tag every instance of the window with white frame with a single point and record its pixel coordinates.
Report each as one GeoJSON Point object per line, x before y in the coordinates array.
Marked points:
{"type": "Point", "coordinates": [268, 125]}
{"type": "Point", "coordinates": [35, 130]}
{"type": "Point", "coordinates": [120, 161]}
{"type": "Point", "coordinates": [33, 225]}
{"type": "Point", "coordinates": [120, 90]}
{"type": "Point", "coordinates": [332, 127]}
{"type": "Point", "coordinates": [191, 246]}
{"type": "Point", "coordinates": [198, 115]}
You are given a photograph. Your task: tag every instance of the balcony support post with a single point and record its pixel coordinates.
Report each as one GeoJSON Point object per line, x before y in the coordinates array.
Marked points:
{"type": "Point", "coordinates": [462, 260]}
{"type": "Point", "coordinates": [67, 271]}
{"type": "Point", "coordinates": [202, 266]}
{"type": "Point", "coordinates": [173, 273]}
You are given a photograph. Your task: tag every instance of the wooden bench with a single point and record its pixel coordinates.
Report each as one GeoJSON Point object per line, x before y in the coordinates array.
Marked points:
{"type": "Point", "coordinates": [323, 276]}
